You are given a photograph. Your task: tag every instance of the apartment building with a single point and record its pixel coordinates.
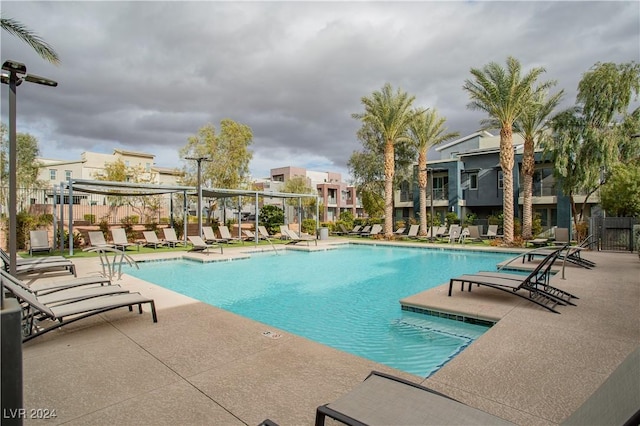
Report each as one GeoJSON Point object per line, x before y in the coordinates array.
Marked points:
{"type": "Point", "coordinates": [335, 196]}
{"type": "Point", "coordinates": [466, 178]}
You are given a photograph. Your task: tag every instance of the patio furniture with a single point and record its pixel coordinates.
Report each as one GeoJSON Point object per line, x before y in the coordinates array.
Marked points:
{"type": "Point", "coordinates": [533, 287]}
{"type": "Point", "coordinates": [96, 239]}
{"type": "Point", "coordinates": [151, 240]}
{"type": "Point", "coordinates": [36, 314]}
{"type": "Point", "coordinates": [226, 235]}
{"type": "Point", "coordinates": [39, 242]}
{"type": "Point", "coordinates": [383, 399]}
{"type": "Point", "coordinates": [120, 242]}
{"type": "Point", "coordinates": [295, 238]}
{"type": "Point", "coordinates": [198, 244]}
{"type": "Point", "coordinates": [171, 238]}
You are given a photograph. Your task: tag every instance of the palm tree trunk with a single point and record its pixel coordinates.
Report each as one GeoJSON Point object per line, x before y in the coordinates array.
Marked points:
{"type": "Point", "coordinates": [506, 162]}
{"type": "Point", "coordinates": [528, 168]}
{"type": "Point", "coordinates": [389, 169]}
{"type": "Point", "coordinates": [422, 183]}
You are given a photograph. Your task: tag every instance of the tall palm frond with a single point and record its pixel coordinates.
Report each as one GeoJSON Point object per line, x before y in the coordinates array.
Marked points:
{"type": "Point", "coordinates": [390, 114]}
{"type": "Point", "coordinates": [533, 125]}
{"type": "Point", "coordinates": [426, 130]}
{"type": "Point", "coordinates": [503, 94]}
{"type": "Point", "coordinates": [41, 47]}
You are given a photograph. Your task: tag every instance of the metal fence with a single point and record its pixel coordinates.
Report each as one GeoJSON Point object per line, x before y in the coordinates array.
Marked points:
{"type": "Point", "coordinates": [92, 209]}
{"type": "Point", "coordinates": [613, 233]}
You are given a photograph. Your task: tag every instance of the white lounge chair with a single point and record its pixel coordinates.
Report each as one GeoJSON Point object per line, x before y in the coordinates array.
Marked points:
{"type": "Point", "coordinates": [264, 234]}
{"type": "Point", "coordinates": [198, 244]}
{"type": "Point", "coordinates": [39, 242]}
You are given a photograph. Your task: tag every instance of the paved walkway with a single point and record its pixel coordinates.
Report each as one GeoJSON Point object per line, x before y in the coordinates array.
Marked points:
{"type": "Point", "coordinates": [200, 365]}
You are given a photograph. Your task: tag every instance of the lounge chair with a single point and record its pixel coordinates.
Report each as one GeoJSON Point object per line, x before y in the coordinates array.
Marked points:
{"type": "Point", "coordinates": [561, 236]}
{"type": "Point", "coordinates": [39, 242]}
{"type": "Point", "coordinates": [471, 233]}
{"type": "Point", "coordinates": [67, 313]}
{"type": "Point", "coordinates": [492, 232]}
{"type": "Point", "coordinates": [441, 231]}
{"type": "Point", "coordinates": [454, 234]}
{"type": "Point", "coordinates": [341, 230]}
{"type": "Point", "coordinates": [383, 399]}
{"type": "Point", "coordinates": [533, 287]}
{"type": "Point", "coordinates": [400, 231]}
{"type": "Point", "coordinates": [284, 232]}
{"type": "Point", "coordinates": [375, 230]}
{"type": "Point", "coordinates": [120, 242]}
{"type": "Point", "coordinates": [264, 234]}
{"type": "Point", "coordinates": [96, 239]}
{"type": "Point", "coordinates": [355, 231]}
{"type": "Point", "coordinates": [413, 231]}
{"type": "Point", "coordinates": [295, 238]}
{"type": "Point", "coordinates": [170, 237]}
{"type": "Point", "coordinates": [209, 236]}
{"type": "Point", "coordinates": [151, 240]}
{"type": "Point", "coordinates": [249, 235]}
{"type": "Point", "coordinates": [226, 235]}
{"type": "Point", "coordinates": [43, 264]}
{"type": "Point", "coordinates": [198, 244]}
{"type": "Point", "coordinates": [571, 254]}
{"type": "Point", "coordinates": [365, 230]}
{"type": "Point", "coordinates": [22, 261]}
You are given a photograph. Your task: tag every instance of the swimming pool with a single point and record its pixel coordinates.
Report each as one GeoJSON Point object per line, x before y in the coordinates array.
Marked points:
{"type": "Point", "coordinates": [347, 298]}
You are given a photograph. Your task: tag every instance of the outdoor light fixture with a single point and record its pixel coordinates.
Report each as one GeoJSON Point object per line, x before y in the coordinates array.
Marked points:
{"type": "Point", "coordinates": [17, 73]}
{"type": "Point", "coordinates": [199, 160]}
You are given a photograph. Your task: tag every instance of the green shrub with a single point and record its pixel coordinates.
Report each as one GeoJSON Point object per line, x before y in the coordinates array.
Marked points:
{"type": "Point", "coordinates": [271, 217]}
{"type": "Point", "coordinates": [309, 226]}
{"type": "Point", "coordinates": [452, 218]}
{"type": "Point", "coordinates": [91, 218]}
{"type": "Point", "coordinates": [45, 219]}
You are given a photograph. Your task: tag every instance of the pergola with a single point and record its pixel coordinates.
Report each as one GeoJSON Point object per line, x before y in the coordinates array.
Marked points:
{"type": "Point", "coordinates": [124, 189]}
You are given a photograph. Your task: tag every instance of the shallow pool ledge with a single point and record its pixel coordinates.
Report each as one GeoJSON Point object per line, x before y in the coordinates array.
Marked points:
{"type": "Point", "coordinates": [477, 306]}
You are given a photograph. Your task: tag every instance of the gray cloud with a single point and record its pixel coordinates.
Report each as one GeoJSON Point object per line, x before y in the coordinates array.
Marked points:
{"type": "Point", "coordinates": [147, 75]}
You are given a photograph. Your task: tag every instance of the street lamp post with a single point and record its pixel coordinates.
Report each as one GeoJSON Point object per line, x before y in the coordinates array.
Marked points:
{"type": "Point", "coordinates": [199, 160]}
{"type": "Point", "coordinates": [17, 73]}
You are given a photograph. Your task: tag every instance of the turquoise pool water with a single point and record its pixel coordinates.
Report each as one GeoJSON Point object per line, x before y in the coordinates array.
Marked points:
{"type": "Point", "coordinates": [347, 298]}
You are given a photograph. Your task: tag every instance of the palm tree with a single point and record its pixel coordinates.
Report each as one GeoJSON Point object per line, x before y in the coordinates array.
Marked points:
{"type": "Point", "coordinates": [425, 131]}
{"type": "Point", "coordinates": [23, 33]}
{"type": "Point", "coordinates": [503, 95]}
{"type": "Point", "coordinates": [389, 114]}
{"type": "Point", "coordinates": [533, 125]}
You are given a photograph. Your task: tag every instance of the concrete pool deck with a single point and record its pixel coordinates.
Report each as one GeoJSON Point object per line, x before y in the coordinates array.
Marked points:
{"type": "Point", "coordinates": [201, 365]}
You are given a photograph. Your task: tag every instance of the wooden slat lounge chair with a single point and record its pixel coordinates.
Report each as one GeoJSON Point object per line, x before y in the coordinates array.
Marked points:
{"type": "Point", "coordinates": [383, 399]}
{"type": "Point", "coordinates": [171, 238]}
{"type": "Point", "coordinates": [533, 287]}
{"type": "Point", "coordinates": [356, 230]}
{"type": "Point", "coordinates": [198, 244]}
{"type": "Point", "coordinates": [67, 313]}
{"type": "Point", "coordinates": [39, 242]}
{"type": "Point", "coordinates": [120, 242]}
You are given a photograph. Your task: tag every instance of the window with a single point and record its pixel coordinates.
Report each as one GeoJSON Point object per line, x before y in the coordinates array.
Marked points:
{"type": "Point", "coordinates": [473, 181]}
{"type": "Point", "coordinates": [52, 174]}
{"type": "Point", "coordinates": [147, 167]}
{"type": "Point", "coordinates": [500, 180]}
{"type": "Point", "coordinates": [67, 174]}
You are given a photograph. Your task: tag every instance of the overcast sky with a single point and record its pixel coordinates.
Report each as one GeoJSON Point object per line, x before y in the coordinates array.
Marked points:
{"type": "Point", "coordinates": [146, 75]}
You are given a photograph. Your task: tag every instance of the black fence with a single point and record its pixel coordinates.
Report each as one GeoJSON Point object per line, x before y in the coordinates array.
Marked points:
{"type": "Point", "coordinates": [613, 233]}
